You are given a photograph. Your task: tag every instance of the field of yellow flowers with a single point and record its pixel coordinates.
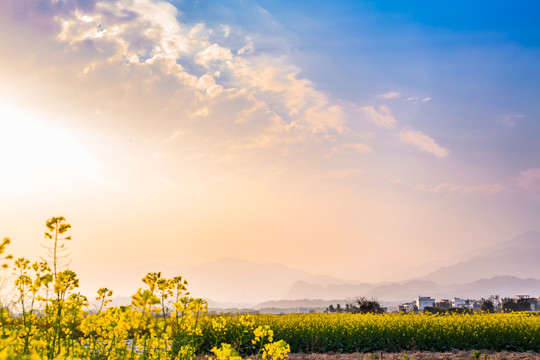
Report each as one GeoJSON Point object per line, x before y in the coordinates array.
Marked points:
{"type": "Point", "coordinates": [49, 319]}
{"type": "Point", "coordinates": [346, 332]}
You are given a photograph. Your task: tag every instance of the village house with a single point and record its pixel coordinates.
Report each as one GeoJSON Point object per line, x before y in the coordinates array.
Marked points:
{"type": "Point", "coordinates": [534, 302]}
{"type": "Point", "coordinates": [458, 303]}
{"type": "Point", "coordinates": [496, 300]}
{"type": "Point", "coordinates": [407, 307]}
{"type": "Point", "coordinates": [424, 301]}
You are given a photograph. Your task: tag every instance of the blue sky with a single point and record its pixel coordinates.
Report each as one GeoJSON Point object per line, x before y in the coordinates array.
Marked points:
{"type": "Point", "coordinates": [479, 62]}
{"type": "Point", "coordinates": [240, 128]}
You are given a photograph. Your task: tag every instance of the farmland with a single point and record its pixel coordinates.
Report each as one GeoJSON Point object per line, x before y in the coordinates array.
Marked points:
{"type": "Point", "coordinates": [187, 332]}
{"type": "Point", "coordinates": [48, 319]}
{"type": "Point", "coordinates": [319, 333]}
{"type": "Point", "coordinates": [163, 322]}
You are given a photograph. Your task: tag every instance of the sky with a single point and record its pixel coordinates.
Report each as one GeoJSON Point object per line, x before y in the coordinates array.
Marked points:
{"type": "Point", "coordinates": [349, 138]}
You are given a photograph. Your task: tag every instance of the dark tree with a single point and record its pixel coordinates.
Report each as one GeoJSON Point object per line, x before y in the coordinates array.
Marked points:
{"type": "Point", "coordinates": [362, 305]}
{"type": "Point", "coordinates": [434, 310]}
{"type": "Point", "coordinates": [516, 305]}
{"type": "Point", "coordinates": [487, 306]}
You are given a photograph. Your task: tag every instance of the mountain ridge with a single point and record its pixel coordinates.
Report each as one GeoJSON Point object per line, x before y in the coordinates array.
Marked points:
{"type": "Point", "coordinates": [508, 267]}
{"type": "Point", "coordinates": [231, 280]}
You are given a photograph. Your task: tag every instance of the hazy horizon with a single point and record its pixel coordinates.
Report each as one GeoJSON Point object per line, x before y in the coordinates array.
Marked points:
{"type": "Point", "coordinates": [336, 138]}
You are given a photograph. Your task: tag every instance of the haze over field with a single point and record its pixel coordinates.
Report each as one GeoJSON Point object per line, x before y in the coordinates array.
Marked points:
{"type": "Point", "coordinates": [352, 139]}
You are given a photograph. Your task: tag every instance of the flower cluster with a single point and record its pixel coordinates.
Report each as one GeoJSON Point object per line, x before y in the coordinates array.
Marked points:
{"type": "Point", "coordinates": [163, 322]}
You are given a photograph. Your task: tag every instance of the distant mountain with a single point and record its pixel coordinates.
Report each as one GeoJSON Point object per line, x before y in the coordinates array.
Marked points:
{"type": "Point", "coordinates": [304, 303]}
{"type": "Point", "coordinates": [235, 280]}
{"type": "Point", "coordinates": [527, 240]}
{"type": "Point", "coordinates": [327, 280]}
{"type": "Point", "coordinates": [517, 257]}
{"type": "Point", "coordinates": [241, 283]}
{"type": "Point", "coordinates": [505, 264]}
{"type": "Point", "coordinates": [405, 290]}
{"type": "Point", "coordinates": [307, 290]}
{"type": "Point", "coordinates": [520, 263]}
{"type": "Point", "coordinates": [232, 282]}
{"type": "Point", "coordinates": [505, 286]}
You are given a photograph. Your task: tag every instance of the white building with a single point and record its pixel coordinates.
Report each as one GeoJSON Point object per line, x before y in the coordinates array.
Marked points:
{"type": "Point", "coordinates": [496, 300]}
{"type": "Point", "coordinates": [424, 301]}
{"type": "Point", "coordinates": [458, 303]}
{"type": "Point", "coordinates": [531, 300]}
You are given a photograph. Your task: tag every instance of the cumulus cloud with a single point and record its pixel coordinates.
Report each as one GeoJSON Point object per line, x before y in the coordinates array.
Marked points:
{"type": "Point", "coordinates": [422, 142]}
{"type": "Point", "coordinates": [248, 49]}
{"type": "Point", "coordinates": [141, 50]}
{"type": "Point", "coordinates": [530, 180]}
{"type": "Point", "coordinates": [42, 14]}
{"type": "Point", "coordinates": [213, 53]}
{"type": "Point", "coordinates": [380, 116]}
{"type": "Point", "coordinates": [390, 95]}
{"type": "Point", "coordinates": [482, 189]}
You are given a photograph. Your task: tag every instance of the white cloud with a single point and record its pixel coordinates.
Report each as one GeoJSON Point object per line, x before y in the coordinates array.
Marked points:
{"type": "Point", "coordinates": [417, 98]}
{"type": "Point", "coordinates": [226, 30]}
{"type": "Point", "coordinates": [390, 95]}
{"type": "Point", "coordinates": [208, 83]}
{"type": "Point", "coordinates": [239, 94]}
{"type": "Point", "coordinates": [248, 49]}
{"type": "Point", "coordinates": [213, 53]}
{"type": "Point", "coordinates": [380, 116]}
{"type": "Point", "coordinates": [323, 118]}
{"type": "Point", "coordinates": [482, 189]}
{"type": "Point", "coordinates": [423, 142]}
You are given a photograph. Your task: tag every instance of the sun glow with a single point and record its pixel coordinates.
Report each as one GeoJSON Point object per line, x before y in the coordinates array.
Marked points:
{"type": "Point", "coordinates": [35, 153]}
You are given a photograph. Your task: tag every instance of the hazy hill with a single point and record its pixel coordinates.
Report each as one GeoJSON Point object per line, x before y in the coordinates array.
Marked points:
{"type": "Point", "coordinates": [405, 291]}
{"type": "Point", "coordinates": [236, 280]}
{"type": "Point", "coordinates": [307, 290]}
{"type": "Point", "coordinates": [304, 303]}
{"type": "Point", "coordinates": [231, 280]}
{"type": "Point", "coordinates": [517, 257]}
{"type": "Point", "coordinates": [241, 283]}
{"type": "Point", "coordinates": [390, 295]}
{"type": "Point", "coordinates": [527, 240]}
{"type": "Point", "coordinates": [504, 286]}
{"type": "Point", "coordinates": [520, 263]}
{"type": "Point", "coordinates": [505, 264]}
